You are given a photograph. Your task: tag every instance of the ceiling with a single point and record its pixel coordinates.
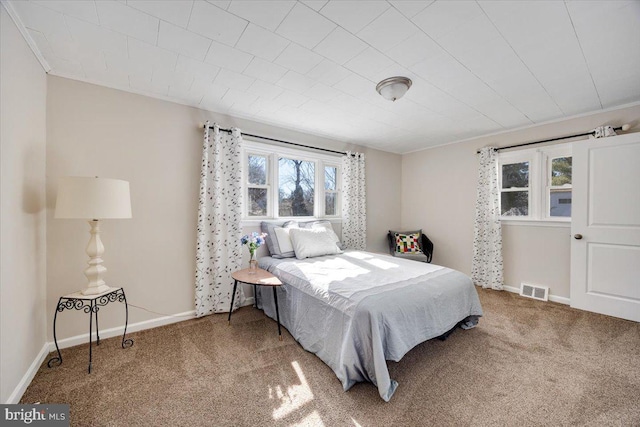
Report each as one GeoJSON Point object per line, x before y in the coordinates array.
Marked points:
{"type": "Point", "coordinates": [312, 66]}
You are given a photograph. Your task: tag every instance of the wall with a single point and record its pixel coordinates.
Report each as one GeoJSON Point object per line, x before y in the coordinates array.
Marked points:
{"type": "Point", "coordinates": [439, 194]}
{"type": "Point", "coordinates": [154, 144]}
{"type": "Point", "coordinates": [22, 218]}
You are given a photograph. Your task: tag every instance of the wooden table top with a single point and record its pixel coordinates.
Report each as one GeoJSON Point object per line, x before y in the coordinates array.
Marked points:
{"type": "Point", "coordinates": [261, 277]}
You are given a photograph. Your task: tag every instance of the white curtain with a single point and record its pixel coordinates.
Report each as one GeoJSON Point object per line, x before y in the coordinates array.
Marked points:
{"type": "Point", "coordinates": [486, 268]}
{"type": "Point", "coordinates": [218, 248]}
{"type": "Point", "coordinates": [603, 132]}
{"type": "Point", "coordinates": [354, 202]}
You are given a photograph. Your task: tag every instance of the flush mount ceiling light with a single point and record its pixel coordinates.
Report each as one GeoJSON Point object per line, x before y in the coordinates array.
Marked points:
{"type": "Point", "coordinates": [394, 87]}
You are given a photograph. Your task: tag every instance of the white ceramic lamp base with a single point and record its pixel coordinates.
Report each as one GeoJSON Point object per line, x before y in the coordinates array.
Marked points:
{"type": "Point", "coordinates": [95, 271]}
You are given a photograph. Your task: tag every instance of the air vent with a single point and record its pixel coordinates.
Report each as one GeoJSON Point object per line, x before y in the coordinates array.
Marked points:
{"type": "Point", "coordinates": [534, 291]}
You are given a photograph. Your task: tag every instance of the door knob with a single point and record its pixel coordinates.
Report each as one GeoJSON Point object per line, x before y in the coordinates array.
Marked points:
{"type": "Point", "coordinates": [577, 236]}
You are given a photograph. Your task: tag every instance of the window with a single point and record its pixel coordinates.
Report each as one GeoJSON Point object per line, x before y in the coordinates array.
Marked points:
{"type": "Point", "coordinates": [288, 183]}
{"type": "Point", "coordinates": [536, 184]}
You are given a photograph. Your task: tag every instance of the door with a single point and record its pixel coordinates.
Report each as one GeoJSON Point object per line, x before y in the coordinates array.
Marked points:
{"type": "Point", "coordinates": [605, 226]}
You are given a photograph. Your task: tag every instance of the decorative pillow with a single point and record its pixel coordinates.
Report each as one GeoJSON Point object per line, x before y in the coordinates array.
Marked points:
{"type": "Point", "coordinates": [408, 243]}
{"type": "Point", "coordinates": [278, 240]}
{"type": "Point", "coordinates": [309, 243]}
{"type": "Point", "coordinates": [322, 223]}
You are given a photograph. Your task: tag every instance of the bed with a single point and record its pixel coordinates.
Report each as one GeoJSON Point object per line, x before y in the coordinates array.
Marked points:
{"type": "Point", "coordinates": [356, 310]}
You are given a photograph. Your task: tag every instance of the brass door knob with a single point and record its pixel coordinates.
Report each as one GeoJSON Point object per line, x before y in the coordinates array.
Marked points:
{"type": "Point", "coordinates": [577, 236]}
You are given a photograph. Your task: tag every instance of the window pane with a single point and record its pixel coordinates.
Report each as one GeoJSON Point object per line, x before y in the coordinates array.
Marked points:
{"type": "Point", "coordinates": [330, 175]}
{"type": "Point", "coordinates": [514, 203]}
{"type": "Point", "coordinates": [515, 175]}
{"type": "Point", "coordinates": [561, 171]}
{"type": "Point", "coordinates": [296, 187]}
{"type": "Point", "coordinates": [257, 170]}
{"type": "Point", "coordinates": [330, 203]}
{"type": "Point", "coordinates": [560, 203]}
{"type": "Point", "coordinates": [257, 202]}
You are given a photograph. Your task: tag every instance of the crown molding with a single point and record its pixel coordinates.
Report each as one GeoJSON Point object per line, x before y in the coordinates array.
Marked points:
{"type": "Point", "coordinates": [25, 34]}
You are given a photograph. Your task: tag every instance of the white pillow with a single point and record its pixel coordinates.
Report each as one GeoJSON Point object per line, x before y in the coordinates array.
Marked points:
{"type": "Point", "coordinates": [309, 243]}
{"type": "Point", "coordinates": [283, 238]}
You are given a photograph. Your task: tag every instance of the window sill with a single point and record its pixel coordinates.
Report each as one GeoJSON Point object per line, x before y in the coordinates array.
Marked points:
{"type": "Point", "coordinates": [536, 222]}
{"type": "Point", "coordinates": [256, 222]}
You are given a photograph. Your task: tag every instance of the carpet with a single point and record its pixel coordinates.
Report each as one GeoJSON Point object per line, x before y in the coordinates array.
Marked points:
{"type": "Point", "coordinates": [528, 363]}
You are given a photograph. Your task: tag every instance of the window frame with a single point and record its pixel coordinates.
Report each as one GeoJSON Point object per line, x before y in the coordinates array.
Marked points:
{"type": "Point", "coordinates": [539, 182]}
{"type": "Point", "coordinates": [273, 153]}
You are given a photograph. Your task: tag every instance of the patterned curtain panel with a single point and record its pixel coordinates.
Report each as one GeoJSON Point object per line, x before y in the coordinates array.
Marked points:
{"type": "Point", "coordinates": [603, 132]}
{"type": "Point", "coordinates": [354, 202]}
{"type": "Point", "coordinates": [218, 249]}
{"type": "Point", "coordinates": [486, 268]}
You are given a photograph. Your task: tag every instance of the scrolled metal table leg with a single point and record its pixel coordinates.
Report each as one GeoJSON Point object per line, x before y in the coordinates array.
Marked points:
{"type": "Point", "coordinates": [90, 332]}
{"type": "Point", "coordinates": [55, 339]}
{"type": "Point", "coordinates": [97, 328]}
{"type": "Point", "coordinates": [126, 343]}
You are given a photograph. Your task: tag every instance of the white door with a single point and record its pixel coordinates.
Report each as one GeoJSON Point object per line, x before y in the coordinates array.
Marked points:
{"type": "Point", "coordinates": [605, 226]}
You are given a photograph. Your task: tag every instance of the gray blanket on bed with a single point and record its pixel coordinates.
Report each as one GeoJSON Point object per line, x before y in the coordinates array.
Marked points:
{"type": "Point", "coordinates": [357, 310]}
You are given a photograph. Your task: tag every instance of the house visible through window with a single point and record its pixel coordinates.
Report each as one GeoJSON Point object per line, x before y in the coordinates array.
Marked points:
{"type": "Point", "coordinates": [289, 183]}
{"type": "Point", "coordinates": [536, 184]}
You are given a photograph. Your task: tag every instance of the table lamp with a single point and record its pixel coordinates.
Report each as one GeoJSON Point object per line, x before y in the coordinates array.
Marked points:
{"type": "Point", "coordinates": [93, 199]}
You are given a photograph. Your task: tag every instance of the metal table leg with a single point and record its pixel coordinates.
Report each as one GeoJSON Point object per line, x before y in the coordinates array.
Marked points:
{"type": "Point", "coordinates": [92, 307]}
{"type": "Point", "coordinates": [125, 342]}
{"type": "Point", "coordinates": [233, 296]}
{"type": "Point", "coordinates": [55, 338]}
{"type": "Point", "coordinates": [275, 299]}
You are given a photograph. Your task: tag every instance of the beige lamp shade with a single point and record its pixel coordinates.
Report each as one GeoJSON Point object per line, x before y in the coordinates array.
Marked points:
{"type": "Point", "coordinates": [92, 198]}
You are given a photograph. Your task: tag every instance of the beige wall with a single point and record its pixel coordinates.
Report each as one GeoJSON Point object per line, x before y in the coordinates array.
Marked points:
{"type": "Point", "coordinates": [439, 193]}
{"type": "Point", "coordinates": [154, 144]}
{"type": "Point", "coordinates": [22, 219]}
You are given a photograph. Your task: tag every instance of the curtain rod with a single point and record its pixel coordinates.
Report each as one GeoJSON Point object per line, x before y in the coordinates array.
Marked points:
{"type": "Point", "coordinates": [552, 139]}
{"type": "Point", "coordinates": [283, 142]}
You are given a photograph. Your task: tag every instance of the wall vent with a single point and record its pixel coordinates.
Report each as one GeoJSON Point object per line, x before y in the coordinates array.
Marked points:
{"type": "Point", "coordinates": [534, 291]}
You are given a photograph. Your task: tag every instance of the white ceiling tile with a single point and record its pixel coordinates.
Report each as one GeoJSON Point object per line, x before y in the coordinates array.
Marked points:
{"type": "Point", "coordinates": [175, 11]}
{"type": "Point", "coordinates": [305, 26]}
{"type": "Point", "coordinates": [295, 82]}
{"type": "Point", "coordinates": [222, 4]}
{"type": "Point", "coordinates": [322, 93]}
{"type": "Point", "coordinates": [233, 80]}
{"type": "Point", "coordinates": [298, 59]}
{"type": "Point", "coordinates": [388, 30]}
{"type": "Point", "coordinates": [265, 70]}
{"type": "Point", "coordinates": [147, 86]}
{"type": "Point", "coordinates": [212, 94]}
{"type": "Point", "coordinates": [315, 4]}
{"type": "Point", "coordinates": [291, 98]}
{"type": "Point", "coordinates": [328, 73]}
{"type": "Point", "coordinates": [261, 43]}
{"type": "Point", "coordinates": [96, 37]}
{"type": "Point", "coordinates": [266, 13]}
{"type": "Point", "coordinates": [414, 49]}
{"type": "Point", "coordinates": [182, 41]}
{"type": "Point", "coordinates": [179, 81]}
{"type": "Point", "coordinates": [410, 8]}
{"type": "Point", "coordinates": [111, 78]}
{"type": "Point", "coordinates": [188, 66]}
{"type": "Point", "coordinates": [70, 69]}
{"type": "Point", "coordinates": [228, 57]}
{"type": "Point", "coordinates": [265, 90]}
{"type": "Point", "coordinates": [368, 63]}
{"type": "Point", "coordinates": [122, 64]}
{"type": "Point", "coordinates": [355, 85]}
{"type": "Point", "coordinates": [354, 15]}
{"type": "Point", "coordinates": [85, 10]}
{"type": "Point", "coordinates": [152, 55]}
{"type": "Point", "coordinates": [234, 95]}
{"type": "Point", "coordinates": [40, 18]}
{"type": "Point", "coordinates": [340, 46]}
{"type": "Point", "coordinates": [446, 17]}
{"type": "Point", "coordinates": [216, 24]}
{"type": "Point", "coordinates": [127, 20]}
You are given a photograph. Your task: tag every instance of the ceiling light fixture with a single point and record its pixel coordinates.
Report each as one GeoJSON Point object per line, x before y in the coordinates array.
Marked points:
{"type": "Point", "coordinates": [394, 87]}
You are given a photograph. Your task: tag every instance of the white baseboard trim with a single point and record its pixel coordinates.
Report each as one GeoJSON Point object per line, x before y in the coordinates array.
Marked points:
{"type": "Point", "coordinates": [28, 376]}
{"type": "Point", "coordinates": [84, 338]}
{"type": "Point", "coordinates": [134, 327]}
{"type": "Point", "coordinates": [553, 298]}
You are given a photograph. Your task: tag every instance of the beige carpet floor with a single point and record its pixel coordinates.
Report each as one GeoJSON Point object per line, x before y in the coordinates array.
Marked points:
{"type": "Point", "coordinates": [528, 363]}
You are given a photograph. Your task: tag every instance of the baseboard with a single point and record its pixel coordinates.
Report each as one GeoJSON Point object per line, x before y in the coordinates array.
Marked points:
{"type": "Point", "coordinates": [553, 298]}
{"type": "Point", "coordinates": [28, 376]}
{"type": "Point", "coordinates": [104, 333]}
{"type": "Point", "coordinates": [119, 330]}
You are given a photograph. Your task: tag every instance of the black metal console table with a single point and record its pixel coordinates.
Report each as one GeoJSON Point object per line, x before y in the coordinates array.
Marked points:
{"type": "Point", "coordinates": [90, 304]}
